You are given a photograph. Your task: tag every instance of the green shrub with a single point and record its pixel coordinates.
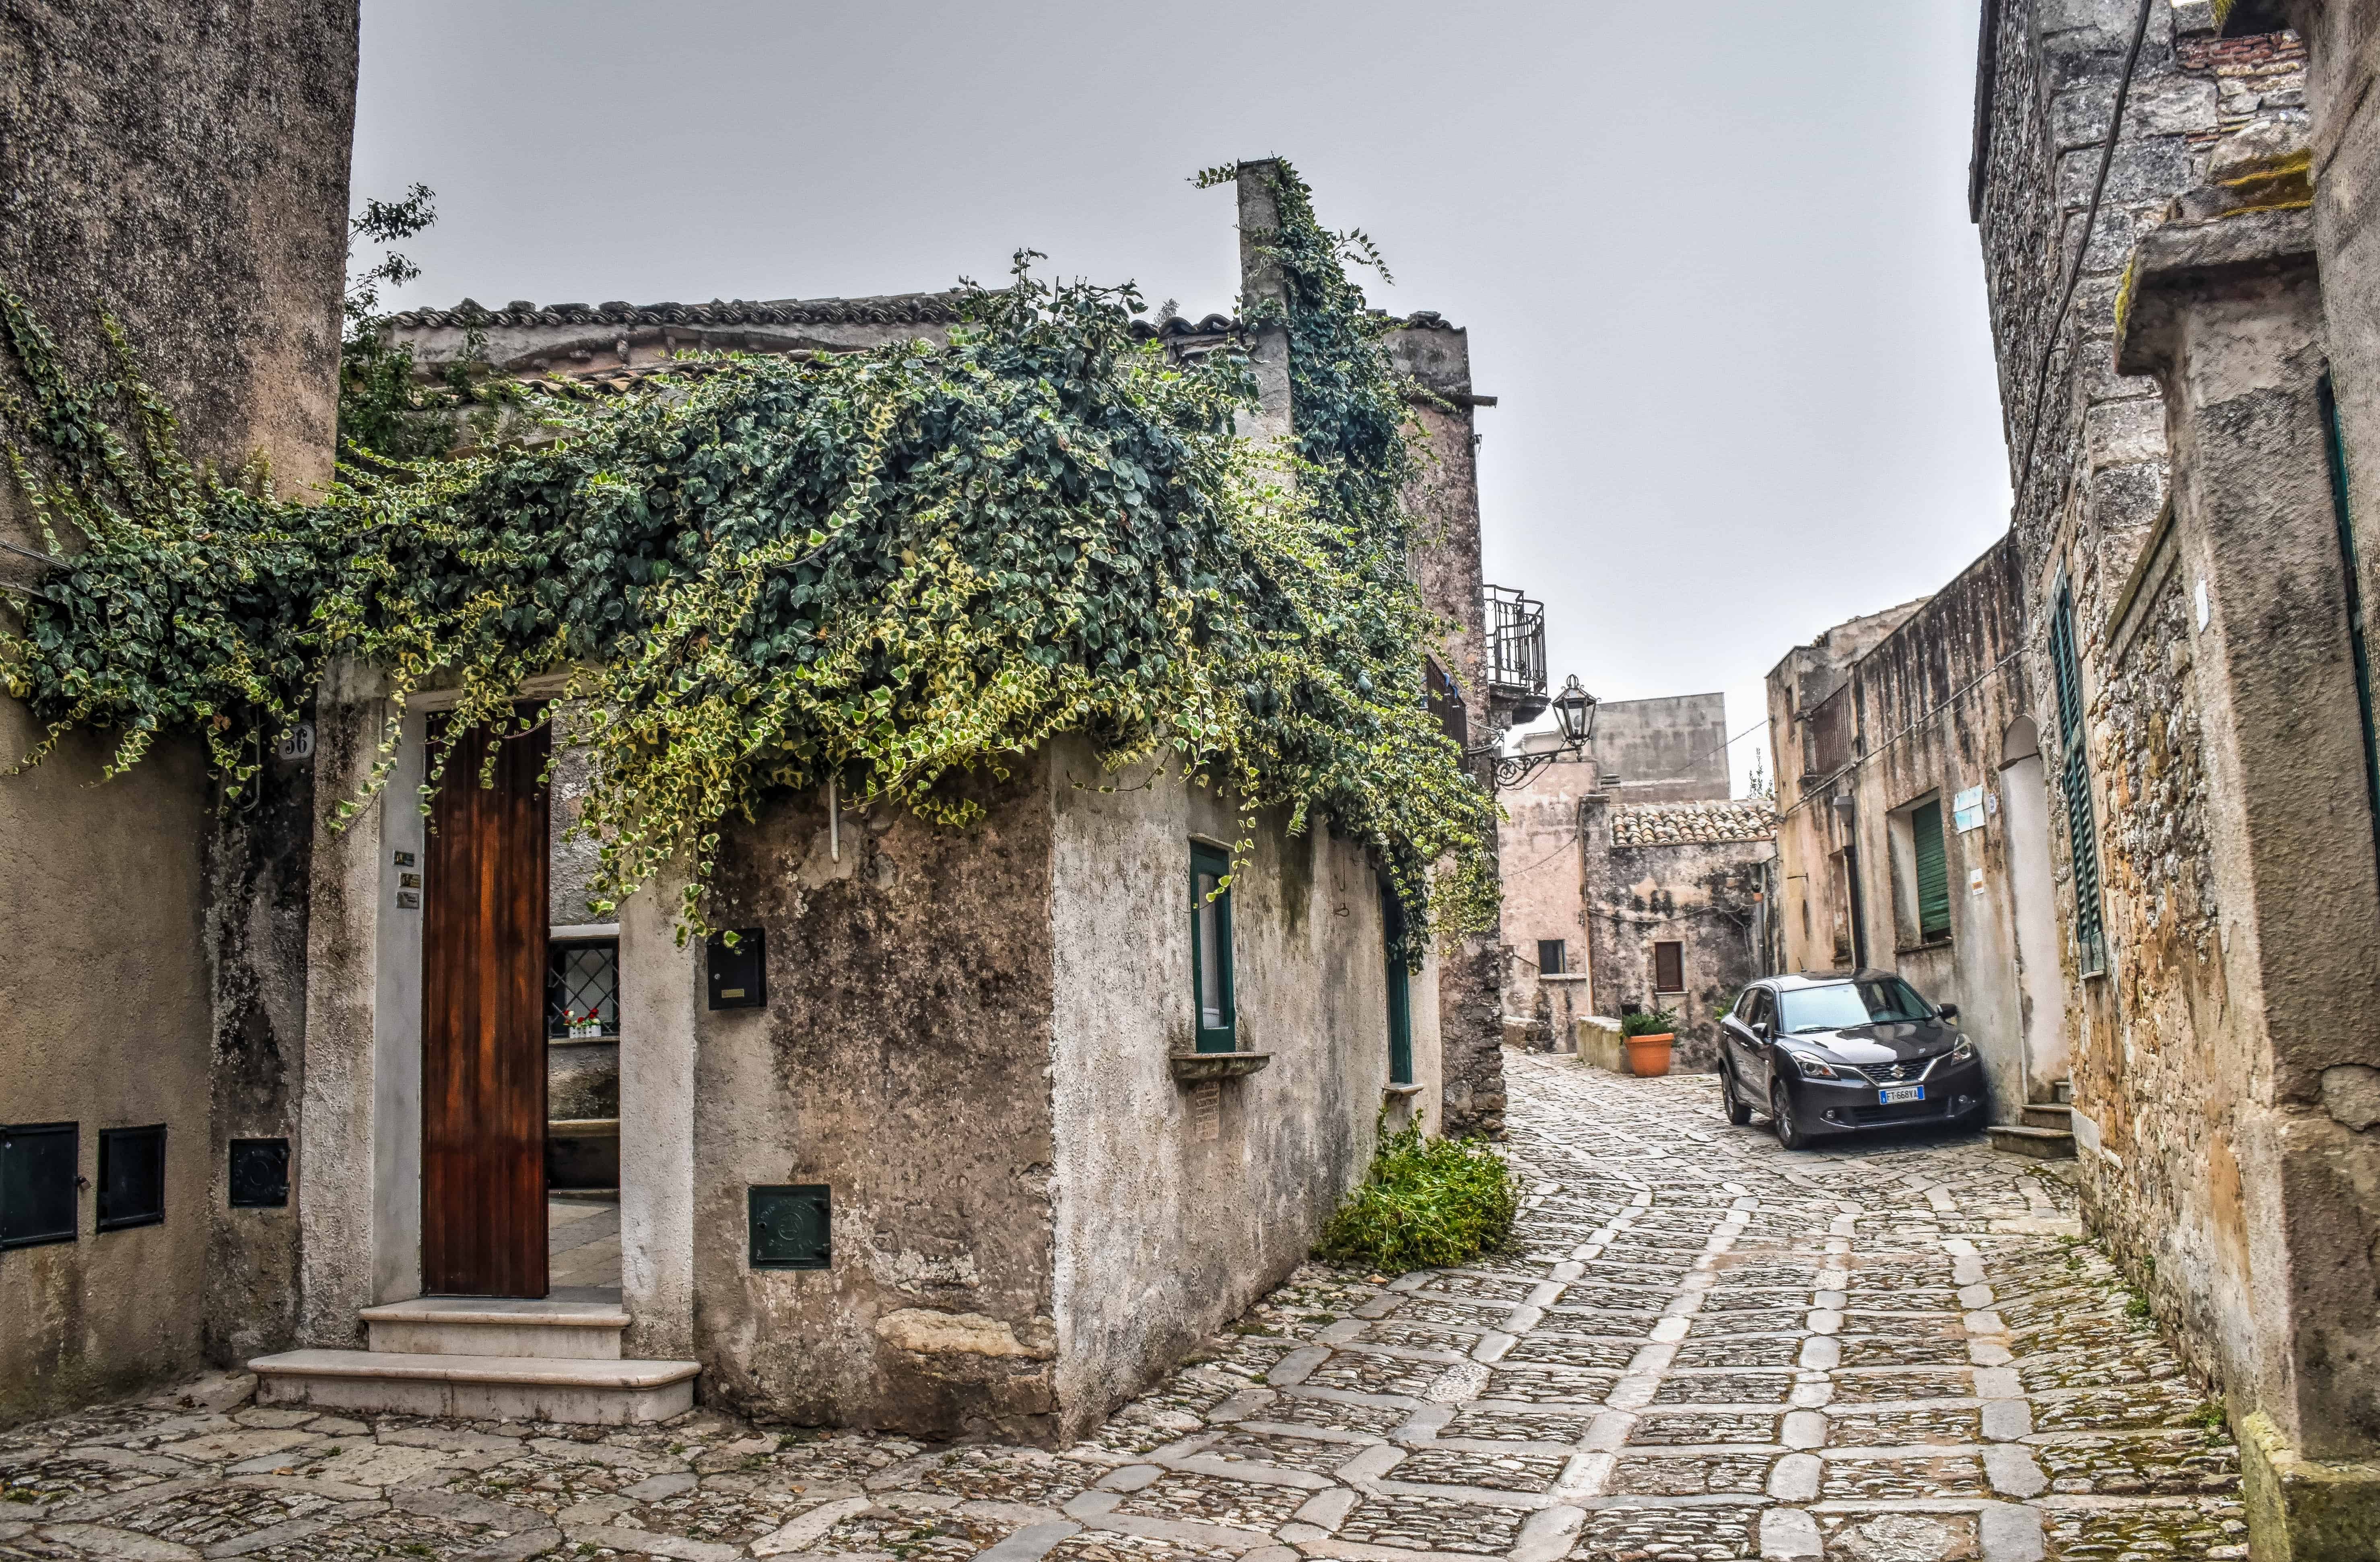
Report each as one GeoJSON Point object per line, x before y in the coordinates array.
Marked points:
{"type": "Point", "coordinates": [1425, 1202]}
{"type": "Point", "coordinates": [1649, 1022]}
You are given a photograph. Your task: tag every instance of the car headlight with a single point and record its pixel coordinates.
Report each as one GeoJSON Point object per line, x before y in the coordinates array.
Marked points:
{"type": "Point", "coordinates": [1812, 1067]}
{"type": "Point", "coordinates": [1962, 1050]}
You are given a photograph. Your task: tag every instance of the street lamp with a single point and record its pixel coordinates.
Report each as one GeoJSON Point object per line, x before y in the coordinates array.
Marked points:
{"type": "Point", "coordinates": [1573, 717]}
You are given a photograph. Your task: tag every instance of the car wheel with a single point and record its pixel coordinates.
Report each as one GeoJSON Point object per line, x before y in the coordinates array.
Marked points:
{"type": "Point", "coordinates": [1781, 1116]}
{"type": "Point", "coordinates": [1738, 1113]}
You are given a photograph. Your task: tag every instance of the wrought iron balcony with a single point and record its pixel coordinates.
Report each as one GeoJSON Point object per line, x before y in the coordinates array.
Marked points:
{"type": "Point", "coordinates": [1515, 655]}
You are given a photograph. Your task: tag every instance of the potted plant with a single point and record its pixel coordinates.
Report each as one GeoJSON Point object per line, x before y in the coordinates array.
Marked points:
{"type": "Point", "coordinates": [1648, 1033]}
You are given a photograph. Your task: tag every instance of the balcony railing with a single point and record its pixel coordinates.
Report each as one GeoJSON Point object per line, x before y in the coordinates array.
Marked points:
{"type": "Point", "coordinates": [1516, 652]}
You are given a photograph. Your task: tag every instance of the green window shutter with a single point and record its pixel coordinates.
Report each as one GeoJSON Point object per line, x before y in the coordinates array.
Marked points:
{"type": "Point", "coordinates": [2074, 784]}
{"type": "Point", "coordinates": [1932, 873]}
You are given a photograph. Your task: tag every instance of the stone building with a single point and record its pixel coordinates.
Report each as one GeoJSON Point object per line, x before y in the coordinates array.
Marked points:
{"type": "Point", "coordinates": [2187, 438]}
{"type": "Point", "coordinates": [154, 987]}
{"type": "Point", "coordinates": [970, 1132]}
{"type": "Point", "coordinates": [1626, 867]}
{"type": "Point", "coordinates": [1914, 835]}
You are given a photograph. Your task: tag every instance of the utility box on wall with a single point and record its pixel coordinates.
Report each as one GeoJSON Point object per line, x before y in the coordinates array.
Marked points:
{"type": "Point", "coordinates": [738, 973]}
{"type": "Point", "coordinates": [791, 1228]}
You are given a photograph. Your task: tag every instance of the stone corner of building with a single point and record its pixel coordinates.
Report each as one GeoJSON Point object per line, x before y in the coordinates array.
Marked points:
{"type": "Point", "coordinates": [2301, 1509]}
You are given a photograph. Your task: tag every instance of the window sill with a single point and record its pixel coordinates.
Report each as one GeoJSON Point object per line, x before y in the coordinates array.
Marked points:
{"type": "Point", "coordinates": [1402, 1092]}
{"type": "Point", "coordinates": [1927, 947]}
{"type": "Point", "coordinates": [582, 1041]}
{"type": "Point", "coordinates": [1196, 1068]}
{"type": "Point", "coordinates": [1561, 975]}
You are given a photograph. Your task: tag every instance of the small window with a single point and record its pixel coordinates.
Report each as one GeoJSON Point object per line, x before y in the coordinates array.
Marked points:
{"type": "Point", "coordinates": [582, 987]}
{"type": "Point", "coordinates": [1551, 955]}
{"type": "Point", "coordinates": [1392, 942]}
{"type": "Point", "coordinates": [131, 1177]}
{"type": "Point", "coordinates": [38, 1171]}
{"type": "Point", "coordinates": [1752, 1008]}
{"type": "Point", "coordinates": [1210, 949]}
{"type": "Point", "coordinates": [1669, 967]}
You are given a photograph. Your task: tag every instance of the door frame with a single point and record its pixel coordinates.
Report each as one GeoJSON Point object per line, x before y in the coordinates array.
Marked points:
{"type": "Point", "coordinates": [357, 1161]}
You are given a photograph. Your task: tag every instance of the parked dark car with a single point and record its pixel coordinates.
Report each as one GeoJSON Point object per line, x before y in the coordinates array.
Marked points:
{"type": "Point", "coordinates": [1830, 1053]}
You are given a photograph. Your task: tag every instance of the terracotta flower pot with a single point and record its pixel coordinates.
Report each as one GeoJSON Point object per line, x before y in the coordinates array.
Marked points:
{"type": "Point", "coordinates": [1648, 1056]}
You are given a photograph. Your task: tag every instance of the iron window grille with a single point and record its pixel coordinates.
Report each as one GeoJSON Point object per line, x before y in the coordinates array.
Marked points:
{"type": "Point", "coordinates": [131, 1177]}
{"type": "Point", "coordinates": [2074, 783]}
{"type": "Point", "coordinates": [582, 987]}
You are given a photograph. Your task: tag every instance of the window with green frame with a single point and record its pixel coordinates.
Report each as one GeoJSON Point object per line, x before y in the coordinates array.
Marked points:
{"type": "Point", "coordinates": [1933, 872]}
{"type": "Point", "coordinates": [1210, 949]}
{"type": "Point", "coordinates": [1392, 943]}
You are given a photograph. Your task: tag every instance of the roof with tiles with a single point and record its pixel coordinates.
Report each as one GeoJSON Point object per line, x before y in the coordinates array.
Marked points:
{"type": "Point", "coordinates": [890, 309]}
{"type": "Point", "coordinates": [1692, 824]}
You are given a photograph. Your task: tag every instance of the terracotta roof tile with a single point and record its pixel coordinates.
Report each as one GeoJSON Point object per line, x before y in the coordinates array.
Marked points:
{"type": "Point", "coordinates": [1686, 824]}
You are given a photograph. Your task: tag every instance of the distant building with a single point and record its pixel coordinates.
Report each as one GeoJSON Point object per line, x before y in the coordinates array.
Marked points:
{"type": "Point", "coordinates": [1631, 881]}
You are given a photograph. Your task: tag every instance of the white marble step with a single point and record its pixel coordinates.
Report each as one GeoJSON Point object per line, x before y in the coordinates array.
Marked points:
{"type": "Point", "coordinates": [481, 1326]}
{"type": "Point", "coordinates": [586, 1393]}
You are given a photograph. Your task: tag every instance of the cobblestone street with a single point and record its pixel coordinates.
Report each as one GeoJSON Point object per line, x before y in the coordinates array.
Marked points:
{"type": "Point", "coordinates": [1702, 1348]}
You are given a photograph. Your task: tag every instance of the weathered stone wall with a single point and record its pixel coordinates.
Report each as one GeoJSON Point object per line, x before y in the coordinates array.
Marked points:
{"type": "Point", "coordinates": [966, 1039]}
{"type": "Point", "coordinates": [1671, 749]}
{"type": "Point", "coordinates": [1922, 712]}
{"type": "Point", "coordinates": [183, 166]}
{"type": "Point", "coordinates": [904, 1060]}
{"type": "Point", "coordinates": [1696, 894]}
{"type": "Point", "coordinates": [1446, 563]}
{"type": "Point", "coordinates": [1178, 1205]}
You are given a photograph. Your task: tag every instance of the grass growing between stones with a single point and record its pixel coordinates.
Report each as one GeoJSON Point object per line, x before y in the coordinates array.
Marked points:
{"type": "Point", "coordinates": [1424, 1203]}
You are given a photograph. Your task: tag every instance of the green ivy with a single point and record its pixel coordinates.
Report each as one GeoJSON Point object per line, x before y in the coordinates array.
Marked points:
{"type": "Point", "coordinates": [903, 568]}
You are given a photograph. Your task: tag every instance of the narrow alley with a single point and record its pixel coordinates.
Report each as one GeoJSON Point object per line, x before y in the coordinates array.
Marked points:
{"type": "Point", "coordinates": [1894, 1350]}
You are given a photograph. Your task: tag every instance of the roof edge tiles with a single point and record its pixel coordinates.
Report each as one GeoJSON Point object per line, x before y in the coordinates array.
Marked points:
{"type": "Point", "coordinates": [1692, 824]}
{"type": "Point", "coordinates": [889, 308]}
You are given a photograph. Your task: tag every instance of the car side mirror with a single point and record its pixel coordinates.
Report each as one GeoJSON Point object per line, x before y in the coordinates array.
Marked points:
{"type": "Point", "coordinates": [1950, 1011]}
{"type": "Point", "coordinates": [1760, 1028]}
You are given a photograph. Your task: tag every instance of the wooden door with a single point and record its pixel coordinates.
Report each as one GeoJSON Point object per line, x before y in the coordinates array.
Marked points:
{"type": "Point", "coordinates": [483, 1024]}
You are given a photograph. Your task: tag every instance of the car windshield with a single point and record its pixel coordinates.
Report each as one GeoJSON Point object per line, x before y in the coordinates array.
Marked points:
{"type": "Point", "coordinates": [1839, 1005]}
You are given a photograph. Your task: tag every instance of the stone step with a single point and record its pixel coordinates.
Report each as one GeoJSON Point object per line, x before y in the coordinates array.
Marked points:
{"type": "Point", "coordinates": [481, 1326]}
{"type": "Point", "coordinates": [584, 1393]}
{"type": "Point", "coordinates": [2049, 1114]}
{"type": "Point", "coordinates": [2041, 1144]}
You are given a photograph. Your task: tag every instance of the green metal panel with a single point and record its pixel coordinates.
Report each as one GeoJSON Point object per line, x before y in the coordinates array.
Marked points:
{"type": "Point", "coordinates": [792, 1227]}
{"type": "Point", "coordinates": [1933, 872]}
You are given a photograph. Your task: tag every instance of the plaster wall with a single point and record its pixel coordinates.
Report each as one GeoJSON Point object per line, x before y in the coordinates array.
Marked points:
{"type": "Point", "coordinates": [1671, 749]}
{"type": "Point", "coordinates": [1544, 894]}
{"type": "Point", "coordinates": [904, 1060]}
{"type": "Point", "coordinates": [1217, 1214]}
{"type": "Point", "coordinates": [184, 166]}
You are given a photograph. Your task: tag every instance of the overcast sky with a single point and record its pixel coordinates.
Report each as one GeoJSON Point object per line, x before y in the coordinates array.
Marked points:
{"type": "Point", "coordinates": [1715, 260]}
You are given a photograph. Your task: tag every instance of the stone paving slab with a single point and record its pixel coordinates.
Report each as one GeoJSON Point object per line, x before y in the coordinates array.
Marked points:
{"type": "Point", "coordinates": [1701, 1348]}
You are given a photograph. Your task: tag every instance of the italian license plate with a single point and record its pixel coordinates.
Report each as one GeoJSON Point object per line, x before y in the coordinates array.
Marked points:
{"type": "Point", "coordinates": [1903, 1093]}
